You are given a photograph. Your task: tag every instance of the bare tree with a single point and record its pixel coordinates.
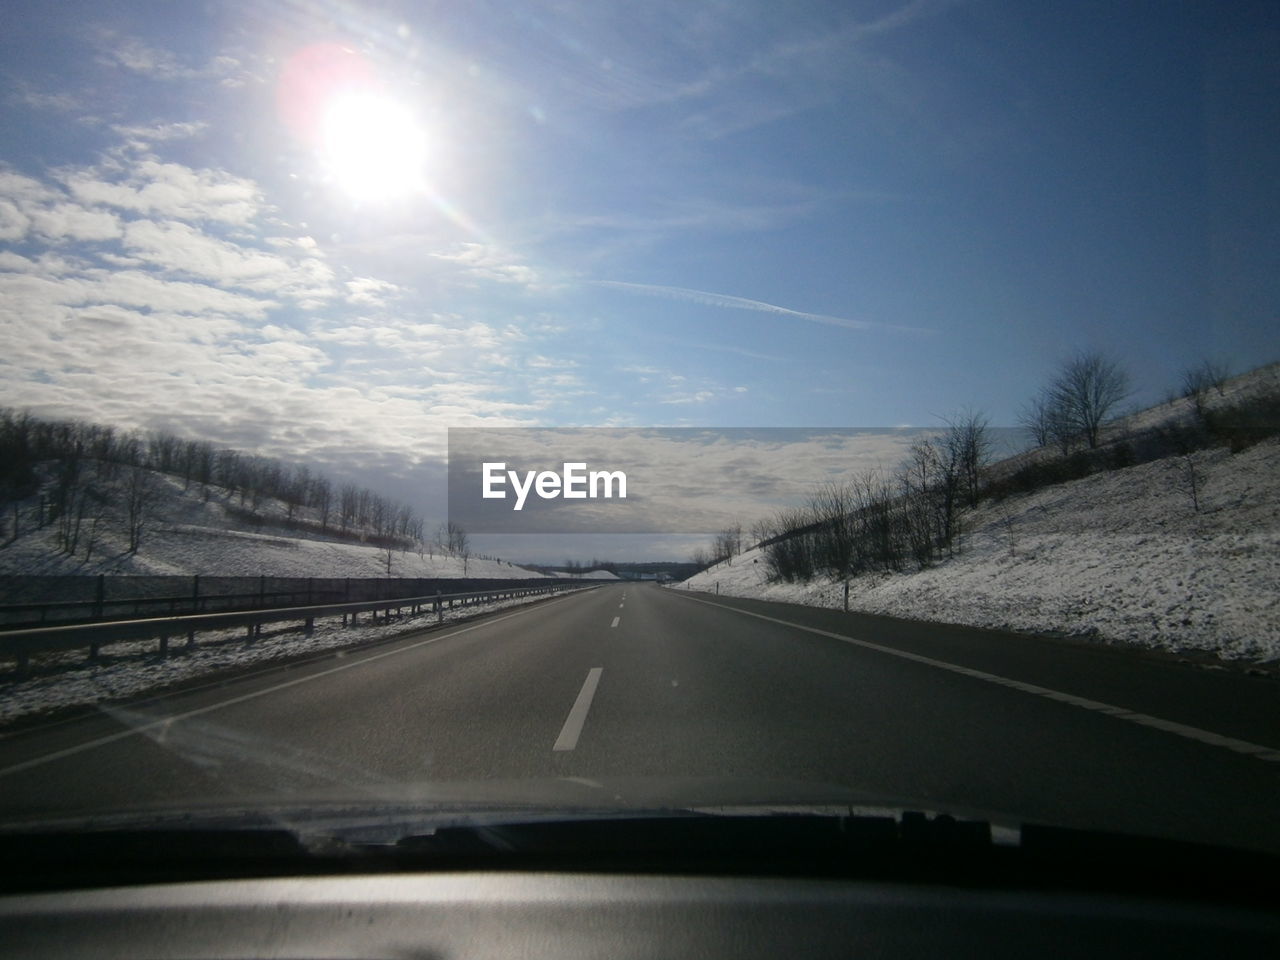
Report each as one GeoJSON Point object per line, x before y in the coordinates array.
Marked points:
{"type": "Point", "coordinates": [1048, 421]}
{"type": "Point", "coordinates": [1034, 416]}
{"type": "Point", "coordinates": [969, 448]}
{"type": "Point", "coordinates": [1200, 378]}
{"type": "Point", "coordinates": [761, 530]}
{"type": "Point", "coordinates": [1193, 480]}
{"type": "Point", "coordinates": [348, 500]}
{"type": "Point", "coordinates": [728, 543]}
{"type": "Point", "coordinates": [322, 499]}
{"type": "Point", "coordinates": [1086, 390]}
{"type": "Point", "coordinates": [456, 540]}
{"type": "Point", "coordinates": [139, 496]}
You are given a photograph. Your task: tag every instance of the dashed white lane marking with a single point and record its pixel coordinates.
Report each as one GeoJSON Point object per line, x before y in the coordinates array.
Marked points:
{"type": "Point", "coordinates": [615, 621]}
{"type": "Point", "coordinates": [568, 738]}
{"type": "Point", "coordinates": [1120, 713]}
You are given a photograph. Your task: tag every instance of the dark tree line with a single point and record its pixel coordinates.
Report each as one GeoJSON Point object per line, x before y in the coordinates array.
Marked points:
{"type": "Point", "coordinates": [884, 522]}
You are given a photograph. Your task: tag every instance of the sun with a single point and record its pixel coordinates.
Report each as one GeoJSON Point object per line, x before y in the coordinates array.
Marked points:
{"type": "Point", "coordinates": [373, 148]}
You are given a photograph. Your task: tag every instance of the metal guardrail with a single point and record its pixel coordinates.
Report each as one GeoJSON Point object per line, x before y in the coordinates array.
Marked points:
{"type": "Point", "coordinates": [20, 645]}
{"type": "Point", "coordinates": [36, 601]}
{"type": "Point", "coordinates": [100, 609]}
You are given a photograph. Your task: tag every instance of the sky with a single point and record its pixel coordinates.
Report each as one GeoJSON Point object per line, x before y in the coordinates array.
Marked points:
{"type": "Point", "coordinates": [329, 231]}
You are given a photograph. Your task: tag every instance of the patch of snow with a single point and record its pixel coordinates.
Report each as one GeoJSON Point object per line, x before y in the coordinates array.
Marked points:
{"type": "Point", "coordinates": [1121, 556]}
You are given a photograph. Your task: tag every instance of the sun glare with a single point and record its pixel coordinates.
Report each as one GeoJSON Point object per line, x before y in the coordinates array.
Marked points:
{"type": "Point", "coordinates": [373, 147]}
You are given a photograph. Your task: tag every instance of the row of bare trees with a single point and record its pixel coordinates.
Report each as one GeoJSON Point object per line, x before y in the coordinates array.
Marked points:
{"type": "Point", "coordinates": [88, 460]}
{"type": "Point", "coordinates": [884, 521]}
{"type": "Point", "coordinates": [878, 521]}
{"type": "Point", "coordinates": [728, 543]}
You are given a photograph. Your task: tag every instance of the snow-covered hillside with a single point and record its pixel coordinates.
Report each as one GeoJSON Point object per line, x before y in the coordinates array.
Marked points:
{"type": "Point", "coordinates": [1118, 556]}
{"type": "Point", "coordinates": [204, 531]}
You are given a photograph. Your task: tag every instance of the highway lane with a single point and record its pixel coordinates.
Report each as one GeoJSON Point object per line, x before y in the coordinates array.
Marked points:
{"type": "Point", "coordinates": [637, 694]}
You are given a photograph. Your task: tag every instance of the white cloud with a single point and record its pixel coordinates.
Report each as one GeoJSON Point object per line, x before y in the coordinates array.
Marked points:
{"type": "Point", "coordinates": [47, 264]}
{"type": "Point", "coordinates": [14, 224]}
{"type": "Point", "coordinates": [490, 263]}
{"type": "Point", "coordinates": [34, 296]}
{"type": "Point", "coordinates": [141, 137]}
{"type": "Point", "coordinates": [172, 191]}
{"type": "Point", "coordinates": [539, 362]}
{"type": "Point", "coordinates": [71, 221]}
{"type": "Point", "coordinates": [25, 190]}
{"type": "Point", "coordinates": [29, 96]}
{"type": "Point", "coordinates": [182, 248]}
{"type": "Point", "coordinates": [699, 396]}
{"type": "Point", "coordinates": [156, 300]}
{"type": "Point", "coordinates": [136, 56]}
{"type": "Point", "coordinates": [369, 291]}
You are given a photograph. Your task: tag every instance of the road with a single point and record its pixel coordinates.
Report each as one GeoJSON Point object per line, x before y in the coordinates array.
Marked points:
{"type": "Point", "coordinates": [635, 694]}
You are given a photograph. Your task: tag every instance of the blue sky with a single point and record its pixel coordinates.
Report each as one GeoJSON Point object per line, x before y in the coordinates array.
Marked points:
{"type": "Point", "coordinates": [683, 213]}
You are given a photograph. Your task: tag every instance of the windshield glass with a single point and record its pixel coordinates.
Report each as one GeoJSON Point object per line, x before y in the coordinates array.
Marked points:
{"type": "Point", "coordinates": [653, 406]}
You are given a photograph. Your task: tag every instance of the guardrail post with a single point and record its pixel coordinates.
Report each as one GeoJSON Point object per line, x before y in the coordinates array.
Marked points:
{"type": "Point", "coordinates": [311, 625]}
{"type": "Point", "coordinates": [164, 646]}
{"type": "Point", "coordinates": [439, 607]}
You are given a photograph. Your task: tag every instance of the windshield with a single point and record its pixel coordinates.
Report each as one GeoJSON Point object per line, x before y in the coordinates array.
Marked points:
{"type": "Point", "coordinates": [549, 407]}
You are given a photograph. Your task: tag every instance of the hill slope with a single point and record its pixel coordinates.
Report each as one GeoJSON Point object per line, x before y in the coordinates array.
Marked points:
{"type": "Point", "coordinates": [199, 530]}
{"type": "Point", "coordinates": [1121, 556]}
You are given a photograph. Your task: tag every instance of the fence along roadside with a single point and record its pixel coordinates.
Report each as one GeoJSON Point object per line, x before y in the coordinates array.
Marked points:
{"type": "Point", "coordinates": [20, 645]}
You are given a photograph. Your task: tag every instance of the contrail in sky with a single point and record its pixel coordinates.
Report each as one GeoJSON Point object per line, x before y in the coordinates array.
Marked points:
{"type": "Point", "coordinates": [741, 303]}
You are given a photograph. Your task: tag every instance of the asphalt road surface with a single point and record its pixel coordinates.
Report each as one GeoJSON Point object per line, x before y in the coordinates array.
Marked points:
{"type": "Point", "coordinates": [639, 695]}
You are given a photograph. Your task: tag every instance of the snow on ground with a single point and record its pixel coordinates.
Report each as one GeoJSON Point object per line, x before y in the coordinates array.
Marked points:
{"type": "Point", "coordinates": [129, 669]}
{"type": "Point", "coordinates": [596, 575]}
{"type": "Point", "coordinates": [1120, 556]}
{"type": "Point", "coordinates": [192, 533]}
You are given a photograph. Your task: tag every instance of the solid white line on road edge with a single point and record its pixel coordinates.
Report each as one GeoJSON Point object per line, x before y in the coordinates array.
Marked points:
{"type": "Point", "coordinates": [1121, 713]}
{"type": "Point", "coordinates": [568, 738]}
{"type": "Point", "coordinates": [144, 728]}
{"type": "Point", "coordinates": [615, 621]}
